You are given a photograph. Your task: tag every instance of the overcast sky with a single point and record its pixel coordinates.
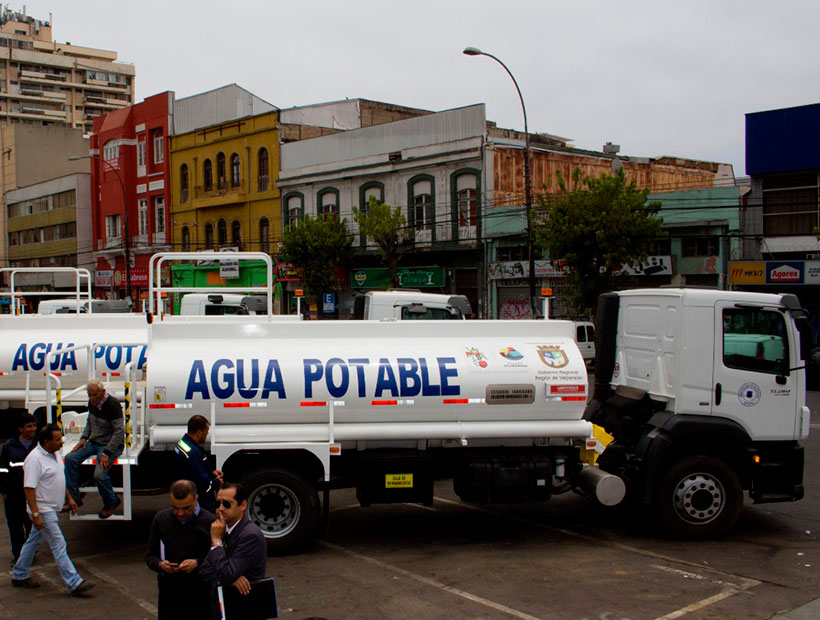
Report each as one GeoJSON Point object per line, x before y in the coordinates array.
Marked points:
{"type": "Point", "coordinates": [658, 78]}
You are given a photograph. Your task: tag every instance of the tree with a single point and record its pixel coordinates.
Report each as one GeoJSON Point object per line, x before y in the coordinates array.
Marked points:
{"type": "Point", "coordinates": [388, 228]}
{"type": "Point", "coordinates": [596, 227]}
{"type": "Point", "coordinates": [315, 247]}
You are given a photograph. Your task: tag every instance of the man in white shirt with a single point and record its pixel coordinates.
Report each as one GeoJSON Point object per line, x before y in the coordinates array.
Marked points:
{"type": "Point", "coordinates": [44, 487]}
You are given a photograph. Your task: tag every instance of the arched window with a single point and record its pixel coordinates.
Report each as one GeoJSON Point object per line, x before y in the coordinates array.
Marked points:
{"type": "Point", "coordinates": [220, 171]}
{"type": "Point", "coordinates": [234, 170]}
{"type": "Point", "coordinates": [208, 176]}
{"type": "Point", "coordinates": [421, 202]}
{"type": "Point", "coordinates": [186, 239]}
{"type": "Point", "coordinates": [209, 236]}
{"type": "Point", "coordinates": [328, 203]}
{"type": "Point", "coordinates": [371, 189]}
{"type": "Point", "coordinates": [465, 196]}
{"type": "Point", "coordinates": [294, 209]}
{"type": "Point", "coordinates": [183, 183]}
{"type": "Point", "coordinates": [236, 234]}
{"type": "Point", "coordinates": [264, 235]}
{"type": "Point", "coordinates": [263, 170]}
{"type": "Point", "coordinates": [222, 233]}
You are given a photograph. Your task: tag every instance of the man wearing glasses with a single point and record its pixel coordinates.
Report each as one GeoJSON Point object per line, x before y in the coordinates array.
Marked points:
{"type": "Point", "coordinates": [179, 541]}
{"type": "Point", "coordinates": [238, 550]}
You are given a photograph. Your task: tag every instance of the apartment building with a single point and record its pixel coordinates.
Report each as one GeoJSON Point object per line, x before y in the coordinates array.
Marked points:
{"type": "Point", "coordinates": [50, 83]}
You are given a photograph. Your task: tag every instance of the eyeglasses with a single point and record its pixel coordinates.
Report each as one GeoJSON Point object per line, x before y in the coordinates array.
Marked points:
{"type": "Point", "coordinates": [225, 503]}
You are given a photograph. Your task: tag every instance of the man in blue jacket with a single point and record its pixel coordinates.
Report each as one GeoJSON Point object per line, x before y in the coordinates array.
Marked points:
{"type": "Point", "coordinates": [12, 455]}
{"type": "Point", "coordinates": [193, 463]}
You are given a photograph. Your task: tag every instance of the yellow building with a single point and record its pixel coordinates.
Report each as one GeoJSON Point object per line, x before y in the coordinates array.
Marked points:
{"type": "Point", "coordinates": [223, 185]}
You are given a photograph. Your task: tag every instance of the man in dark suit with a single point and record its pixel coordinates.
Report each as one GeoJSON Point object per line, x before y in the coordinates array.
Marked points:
{"type": "Point", "coordinates": [179, 540]}
{"type": "Point", "coordinates": [238, 549]}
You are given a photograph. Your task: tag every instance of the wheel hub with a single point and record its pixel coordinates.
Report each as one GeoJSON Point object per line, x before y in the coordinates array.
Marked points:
{"type": "Point", "coordinates": [275, 509]}
{"type": "Point", "coordinates": [699, 498]}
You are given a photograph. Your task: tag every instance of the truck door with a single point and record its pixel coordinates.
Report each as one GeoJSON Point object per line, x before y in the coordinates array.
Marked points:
{"type": "Point", "coordinates": [751, 380]}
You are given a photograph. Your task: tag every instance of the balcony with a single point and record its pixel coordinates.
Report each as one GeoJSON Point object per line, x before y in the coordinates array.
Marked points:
{"type": "Point", "coordinates": [227, 194]}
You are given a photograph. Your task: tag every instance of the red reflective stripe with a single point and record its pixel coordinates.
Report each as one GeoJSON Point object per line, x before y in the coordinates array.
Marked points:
{"type": "Point", "coordinates": [236, 404]}
{"type": "Point", "coordinates": [162, 406]}
{"type": "Point", "coordinates": [313, 403]}
{"type": "Point", "coordinates": [384, 402]}
{"type": "Point", "coordinates": [580, 398]}
{"type": "Point", "coordinates": [567, 389]}
{"type": "Point", "coordinates": [456, 401]}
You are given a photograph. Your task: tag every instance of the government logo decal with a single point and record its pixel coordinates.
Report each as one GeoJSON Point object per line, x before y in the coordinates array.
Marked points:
{"type": "Point", "coordinates": [553, 356]}
{"type": "Point", "coordinates": [510, 353]}
{"type": "Point", "coordinates": [478, 358]}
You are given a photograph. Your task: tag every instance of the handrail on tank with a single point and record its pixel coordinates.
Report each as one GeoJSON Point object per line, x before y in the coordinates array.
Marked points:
{"type": "Point", "coordinates": [79, 294]}
{"type": "Point", "coordinates": [155, 288]}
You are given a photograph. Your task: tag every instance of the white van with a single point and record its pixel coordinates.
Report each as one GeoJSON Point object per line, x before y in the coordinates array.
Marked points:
{"type": "Point", "coordinates": [585, 337]}
{"type": "Point", "coordinates": [98, 306]}
{"type": "Point", "coordinates": [409, 304]}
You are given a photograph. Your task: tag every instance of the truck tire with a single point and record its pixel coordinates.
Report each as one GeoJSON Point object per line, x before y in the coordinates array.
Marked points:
{"type": "Point", "coordinates": [700, 497]}
{"type": "Point", "coordinates": [285, 506]}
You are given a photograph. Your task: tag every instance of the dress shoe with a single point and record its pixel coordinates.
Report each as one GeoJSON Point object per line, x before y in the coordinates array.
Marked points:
{"type": "Point", "coordinates": [24, 583]}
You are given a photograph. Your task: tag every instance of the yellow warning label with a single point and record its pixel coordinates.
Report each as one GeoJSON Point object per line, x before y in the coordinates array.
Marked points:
{"type": "Point", "coordinates": [398, 481]}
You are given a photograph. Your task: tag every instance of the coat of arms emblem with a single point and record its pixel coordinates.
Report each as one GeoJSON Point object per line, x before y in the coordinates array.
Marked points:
{"type": "Point", "coordinates": [553, 356]}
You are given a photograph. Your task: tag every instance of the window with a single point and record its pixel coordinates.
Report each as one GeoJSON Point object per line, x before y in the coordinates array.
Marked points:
{"type": "Point", "coordinates": [234, 170]}
{"type": "Point", "coordinates": [186, 239]}
{"type": "Point", "coordinates": [111, 152]}
{"type": "Point", "coordinates": [112, 226]}
{"type": "Point", "coordinates": [790, 203]}
{"type": "Point", "coordinates": [328, 203]}
{"type": "Point", "coordinates": [264, 235]}
{"type": "Point", "coordinates": [467, 207]}
{"type": "Point", "coordinates": [159, 152]}
{"type": "Point", "coordinates": [220, 171]}
{"type": "Point", "coordinates": [159, 214]}
{"type": "Point", "coordinates": [222, 233]}
{"type": "Point", "coordinates": [420, 199]}
{"type": "Point", "coordinates": [700, 246]}
{"type": "Point", "coordinates": [142, 221]}
{"type": "Point", "coordinates": [141, 154]}
{"type": "Point", "coordinates": [423, 211]}
{"type": "Point", "coordinates": [209, 236]}
{"type": "Point", "coordinates": [294, 210]}
{"type": "Point", "coordinates": [661, 247]}
{"type": "Point", "coordinates": [755, 339]}
{"type": "Point", "coordinates": [207, 175]}
{"type": "Point", "coordinates": [236, 234]}
{"type": "Point", "coordinates": [512, 253]}
{"type": "Point", "coordinates": [183, 183]}
{"type": "Point", "coordinates": [263, 171]}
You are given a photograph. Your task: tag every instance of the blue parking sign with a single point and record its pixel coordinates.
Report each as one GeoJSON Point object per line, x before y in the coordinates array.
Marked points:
{"type": "Point", "coordinates": [329, 303]}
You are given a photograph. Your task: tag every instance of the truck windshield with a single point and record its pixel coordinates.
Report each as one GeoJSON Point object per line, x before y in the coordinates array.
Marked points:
{"type": "Point", "coordinates": [429, 313]}
{"type": "Point", "coordinates": [755, 339]}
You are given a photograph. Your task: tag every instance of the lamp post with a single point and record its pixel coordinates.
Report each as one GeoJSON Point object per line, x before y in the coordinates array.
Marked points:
{"type": "Point", "coordinates": [127, 245]}
{"type": "Point", "coordinates": [474, 51]}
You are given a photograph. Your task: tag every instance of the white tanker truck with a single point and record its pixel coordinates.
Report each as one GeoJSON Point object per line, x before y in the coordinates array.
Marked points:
{"type": "Point", "coordinates": [499, 407]}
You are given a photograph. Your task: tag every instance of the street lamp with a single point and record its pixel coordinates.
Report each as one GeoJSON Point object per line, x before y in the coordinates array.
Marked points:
{"type": "Point", "coordinates": [127, 246]}
{"type": "Point", "coordinates": [474, 51]}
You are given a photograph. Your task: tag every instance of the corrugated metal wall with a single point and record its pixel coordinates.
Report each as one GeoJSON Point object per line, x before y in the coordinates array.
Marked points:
{"type": "Point", "coordinates": [217, 106]}
{"type": "Point", "coordinates": [427, 130]}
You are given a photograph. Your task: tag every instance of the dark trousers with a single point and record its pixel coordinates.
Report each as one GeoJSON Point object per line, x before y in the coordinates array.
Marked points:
{"type": "Point", "coordinates": [182, 599]}
{"type": "Point", "coordinates": [18, 522]}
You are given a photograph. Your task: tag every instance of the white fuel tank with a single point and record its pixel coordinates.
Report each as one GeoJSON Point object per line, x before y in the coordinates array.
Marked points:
{"type": "Point", "coordinates": [27, 340]}
{"type": "Point", "coordinates": [385, 372]}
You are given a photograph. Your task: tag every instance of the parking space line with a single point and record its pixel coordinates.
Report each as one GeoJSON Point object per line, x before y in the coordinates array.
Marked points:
{"type": "Point", "coordinates": [431, 582]}
{"type": "Point", "coordinates": [746, 582]}
{"type": "Point", "coordinates": [126, 592]}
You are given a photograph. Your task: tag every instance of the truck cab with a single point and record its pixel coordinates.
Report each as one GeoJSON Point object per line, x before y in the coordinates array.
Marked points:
{"type": "Point", "coordinates": [704, 392]}
{"type": "Point", "coordinates": [408, 304]}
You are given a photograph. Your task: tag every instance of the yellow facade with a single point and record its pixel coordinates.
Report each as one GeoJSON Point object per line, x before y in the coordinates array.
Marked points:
{"type": "Point", "coordinates": [241, 200]}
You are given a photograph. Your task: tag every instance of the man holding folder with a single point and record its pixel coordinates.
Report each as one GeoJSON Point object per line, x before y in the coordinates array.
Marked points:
{"type": "Point", "coordinates": [238, 549]}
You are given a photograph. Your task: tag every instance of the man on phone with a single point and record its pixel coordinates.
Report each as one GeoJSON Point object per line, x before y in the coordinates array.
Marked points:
{"type": "Point", "coordinates": [238, 550]}
{"type": "Point", "coordinates": [179, 540]}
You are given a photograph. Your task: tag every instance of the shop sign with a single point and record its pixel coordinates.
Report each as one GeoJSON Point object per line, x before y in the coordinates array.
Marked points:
{"type": "Point", "coordinates": [286, 273]}
{"type": "Point", "coordinates": [507, 270]}
{"type": "Point", "coordinates": [747, 272]}
{"type": "Point", "coordinates": [104, 277]}
{"type": "Point", "coordinates": [652, 266]}
{"type": "Point", "coordinates": [779, 272]}
{"type": "Point", "coordinates": [139, 277]}
{"type": "Point", "coordinates": [409, 277]}
{"type": "Point", "coordinates": [811, 275]}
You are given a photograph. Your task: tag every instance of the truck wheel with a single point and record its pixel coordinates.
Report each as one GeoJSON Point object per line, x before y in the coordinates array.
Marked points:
{"type": "Point", "coordinates": [699, 497]}
{"type": "Point", "coordinates": [285, 506]}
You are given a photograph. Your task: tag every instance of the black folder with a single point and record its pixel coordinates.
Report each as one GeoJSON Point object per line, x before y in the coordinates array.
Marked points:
{"type": "Point", "coordinates": [259, 604]}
